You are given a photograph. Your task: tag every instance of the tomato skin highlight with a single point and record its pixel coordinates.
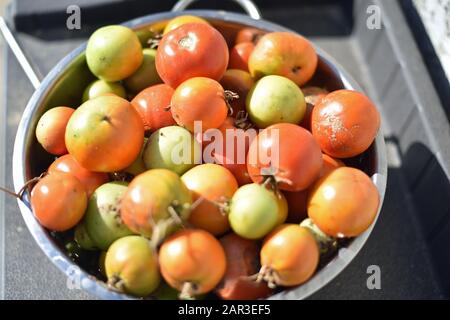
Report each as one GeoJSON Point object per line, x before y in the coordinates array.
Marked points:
{"type": "Point", "coordinates": [192, 256]}
{"type": "Point", "coordinates": [91, 180]}
{"type": "Point", "coordinates": [345, 123]}
{"type": "Point", "coordinates": [51, 129]}
{"type": "Point", "coordinates": [58, 201]}
{"type": "Point", "coordinates": [151, 104]}
{"type": "Point", "coordinates": [199, 99]}
{"type": "Point", "coordinates": [185, 53]}
{"type": "Point", "coordinates": [343, 203]}
{"type": "Point", "coordinates": [292, 252]}
{"type": "Point", "coordinates": [242, 262]}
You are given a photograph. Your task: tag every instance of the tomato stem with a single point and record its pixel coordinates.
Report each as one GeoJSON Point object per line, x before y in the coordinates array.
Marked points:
{"type": "Point", "coordinates": [188, 291]}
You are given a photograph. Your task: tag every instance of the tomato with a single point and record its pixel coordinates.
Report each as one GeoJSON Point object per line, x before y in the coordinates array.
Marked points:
{"type": "Point", "coordinates": [329, 164]}
{"type": "Point", "coordinates": [138, 165]}
{"type": "Point", "coordinates": [180, 20]}
{"type": "Point", "coordinates": [89, 179]}
{"type": "Point", "coordinates": [275, 99]}
{"type": "Point", "coordinates": [297, 204]}
{"type": "Point", "coordinates": [289, 256]}
{"type": "Point", "coordinates": [249, 35]}
{"type": "Point", "coordinates": [100, 87]}
{"type": "Point", "coordinates": [287, 154]}
{"type": "Point", "coordinates": [172, 148]}
{"type": "Point", "coordinates": [239, 82]}
{"type": "Point", "coordinates": [192, 261]}
{"type": "Point", "coordinates": [345, 123]}
{"type": "Point", "coordinates": [242, 262]}
{"type": "Point", "coordinates": [285, 54]}
{"type": "Point", "coordinates": [82, 237]}
{"type": "Point", "coordinates": [153, 198]}
{"type": "Point", "coordinates": [239, 55]}
{"type": "Point", "coordinates": [216, 185]}
{"type": "Point", "coordinates": [51, 128]}
{"type": "Point", "coordinates": [58, 201]}
{"type": "Point", "coordinates": [343, 203]}
{"type": "Point", "coordinates": [152, 105]}
{"type": "Point", "coordinates": [131, 266]}
{"type": "Point", "coordinates": [192, 50]}
{"type": "Point", "coordinates": [312, 96]}
{"type": "Point", "coordinates": [105, 134]}
{"type": "Point", "coordinates": [255, 211]}
{"type": "Point", "coordinates": [102, 219]}
{"type": "Point", "coordinates": [146, 75]}
{"type": "Point", "coordinates": [113, 53]}
{"type": "Point", "coordinates": [327, 245]}
{"type": "Point", "coordinates": [199, 99]}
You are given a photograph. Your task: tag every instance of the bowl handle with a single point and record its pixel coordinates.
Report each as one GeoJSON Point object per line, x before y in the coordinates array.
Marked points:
{"type": "Point", "coordinates": [248, 5]}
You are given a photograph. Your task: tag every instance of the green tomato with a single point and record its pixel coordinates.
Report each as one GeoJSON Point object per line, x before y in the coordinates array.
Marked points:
{"type": "Point", "coordinates": [102, 219]}
{"type": "Point", "coordinates": [254, 211]}
{"type": "Point", "coordinates": [100, 87]}
{"type": "Point", "coordinates": [82, 237]}
{"type": "Point", "coordinates": [172, 148]}
{"type": "Point", "coordinates": [113, 53]}
{"type": "Point", "coordinates": [131, 266]}
{"type": "Point", "coordinates": [146, 75]}
{"type": "Point", "coordinates": [275, 99]}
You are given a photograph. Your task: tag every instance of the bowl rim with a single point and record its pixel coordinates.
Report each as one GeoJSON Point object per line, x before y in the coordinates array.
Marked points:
{"type": "Point", "coordinates": [79, 278]}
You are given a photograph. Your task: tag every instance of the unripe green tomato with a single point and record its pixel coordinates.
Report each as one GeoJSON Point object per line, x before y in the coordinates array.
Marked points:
{"type": "Point", "coordinates": [100, 87]}
{"type": "Point", "coordinates": [113, 53]}
{"type": "Point", "coordinates": [275, 99]}
{"type": "Point", "coordinates": [82, 237]}
{"type": "Point", "coordinates": [146, 75]}
{"type": "Point", "coordinates": [102, 220]}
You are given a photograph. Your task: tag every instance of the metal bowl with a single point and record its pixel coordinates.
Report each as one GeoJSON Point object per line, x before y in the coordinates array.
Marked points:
{"type": "Point", "coordinates": [64, 86]}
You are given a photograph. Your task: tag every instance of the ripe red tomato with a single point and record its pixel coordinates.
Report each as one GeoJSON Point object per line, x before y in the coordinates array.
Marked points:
{"type": "Point", "coordinates": [286, 152]}
{"type": "Point", "coordinates": [51, 128]}
{"type": "Point", "coordinates": [345, 123]}
{"type": "Point", "coordinates": [239, 56]}
{"type": "Point", "coordinates": [199, 99]}
{"type": "Point", "coordinates": [343, 203]}
{"type": "Point", "coordinates": [89, 179]}
{"type": "Point", "coordinates": [242, 262]}
{"type": "Point", "coordinates": [249, 35]}
{"type": "Point", "coordinates": [152, 105]}
{"type": "Point", "coordinates": [239, 82]}
{"type": "Point", "coordinates": [191, 50]}
{"type": "Point", "coordinates": [192, 261]}
{"type": "Point", "coordinates": [59, 201]}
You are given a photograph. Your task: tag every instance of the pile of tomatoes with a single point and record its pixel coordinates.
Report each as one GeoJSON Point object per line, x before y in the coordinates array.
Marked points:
{"type": "Point", "coordinates": [209, 224]}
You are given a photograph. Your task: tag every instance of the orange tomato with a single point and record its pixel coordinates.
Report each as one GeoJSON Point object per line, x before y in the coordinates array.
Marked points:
{"type": "Point", "coordinates": [51, 129]}
{"type": "Point", "coordinates": [345, 123]}
{"type": "Point", "coordinates": [89, 179]}
{"type": "Point", "coordinates": [239, 55]}
{"type": "Point", "coordinates": [343, 203]}
{"type": "Point", "coordinates": [59, 201]}
{"type": "Point", "coordinates": [329, 164]}
{"type": "Point", "coordinates": [180, 20]}
{"type": "Point", "coordinates": [289, 256]}
{"type": "Point", "coordinates": [249, 35]}
{"type": "Point", "coordinates": [192, 261]}
{"type": "Point", "coordinates": [216, 185]}
{"type": "Point", "coordinates": [105, 134]}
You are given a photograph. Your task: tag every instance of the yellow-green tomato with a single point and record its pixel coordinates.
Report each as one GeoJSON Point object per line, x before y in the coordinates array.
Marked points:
{"type": "Point", "coordinates": [114, 53]}
{"type": "Point", "coordinates": [254, 211]}
{"type": "Point", "coordinates": [172, 148]}
{"type": "Point", "coordinates": [100, 87]}
{"type": "Point", "coordinates": [275, 99]}
{"type": "Point", "coordinates": [82, 237]}
{"type": "Point", "coordinates": [146, 75]}
{"type": "Point", "coordinates": [132, 266]}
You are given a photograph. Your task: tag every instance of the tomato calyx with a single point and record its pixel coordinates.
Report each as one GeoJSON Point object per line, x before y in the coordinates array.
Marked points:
{"type": "Point", "coordinates": [327, 244]}
{"type": "Point", "coordinates": [229, 96]}
{"type": "Point", "coordinates": [116, 283]}
{"type": "Point", "coordinates": [188, 291]}
{"type": "Point", "coordinates": [121, 176]}
{"type": "Point", "coordinates": [26, 187]}
{"type": "Point", "coordinates": [241, 121]}
{"type": "Point", "coordinates": [271, 177]}
{"type": "Point", "coordinates": [154, 41]}
{"type": "Point", "coordinates": [268, 275]}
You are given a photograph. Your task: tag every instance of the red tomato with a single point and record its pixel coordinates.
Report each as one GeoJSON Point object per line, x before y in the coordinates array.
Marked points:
{"type": "Point", "coordinates": [51, 128]}
{"type": "Point", "coordinates": [249, 35]}
{"type": "Point", "coordinates": [239, 56]}
{"type": "Point", "coordinates": [297, 203]}
{"type": "Point", "coordinates": [199, 99]}
{"type": "Point", "coordinates": [345, 123]}
{"type": "Point", "coordinates": [312, 96]}
{"type": "Point", "coordinates": [239, 82]}
{"type": "Point", "coordinates": [152, 105]}
{"type": "Point", "coordinates": [286, 152]}
{"type": "Point", "coordinates": [191, 50]}
{"type": "Point", "coordinates": [59, 201]}
{"type": "Point", "coordinates": [329, 164]}
{"type": "Point", "coordinates": [89, 179]}
{"type": "Point", "coordinates": [343, 203]}
{"type": "Point", "coordinates": [242, 262]}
